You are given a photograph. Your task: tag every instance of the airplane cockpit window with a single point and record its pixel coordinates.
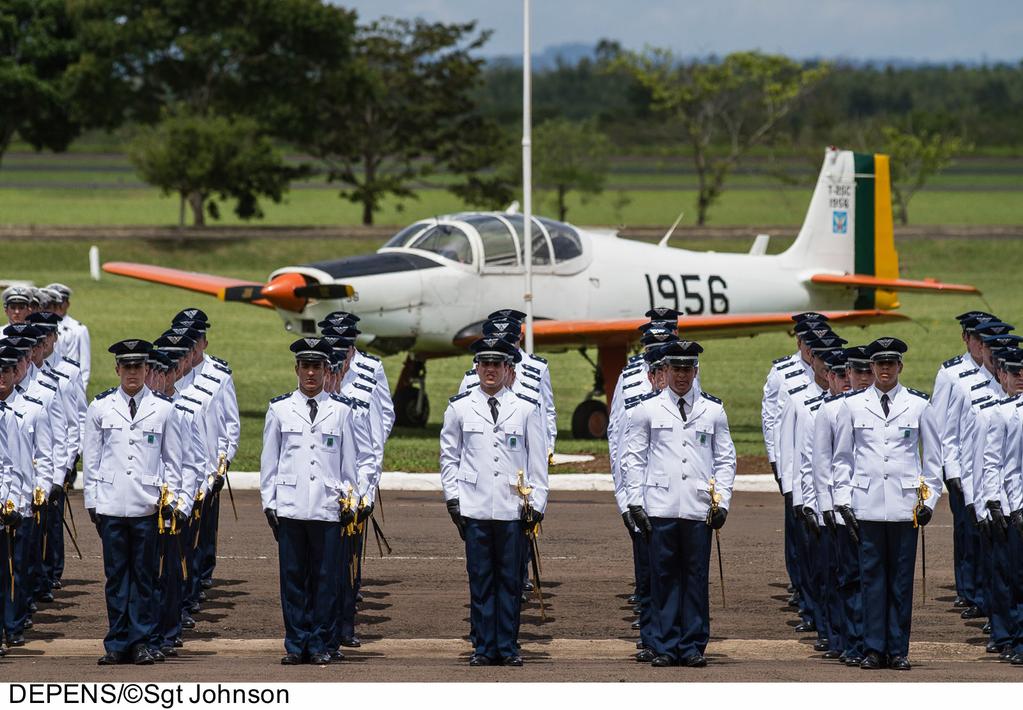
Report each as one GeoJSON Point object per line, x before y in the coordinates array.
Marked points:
{"type": "Point", "coordinates": [447, 241]}
{"type": "Point", "coordinates": [400, 239]}
{"type": "Point", "coordinates": [498, 243]}
{"type": "Point", "coordinates": [541, 249]}
{"type": "Point", "coordinates": [565, 240]}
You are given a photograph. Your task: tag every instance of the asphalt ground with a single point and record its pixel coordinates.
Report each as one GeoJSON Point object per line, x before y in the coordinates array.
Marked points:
{"type": "Point", "coordinates": [415, 615]}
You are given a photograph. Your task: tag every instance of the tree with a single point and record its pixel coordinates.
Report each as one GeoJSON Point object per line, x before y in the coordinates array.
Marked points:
{"type": "Point", "coordinates": [408, 112]}
{"type": "Point", "coordinates": [915, 157]}
{"type": "Point", "coordinates": [723, 109]}
{"type": "Point", "coordinates": [200, 157]}
{"type": "Point", "coordinates": [570, 156]}
{"type": "Point", "coordinates": [37, 43]}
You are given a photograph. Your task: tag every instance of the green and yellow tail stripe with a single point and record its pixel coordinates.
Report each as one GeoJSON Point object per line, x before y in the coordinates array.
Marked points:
{"type": "Point", "coordinates": [875, 233]}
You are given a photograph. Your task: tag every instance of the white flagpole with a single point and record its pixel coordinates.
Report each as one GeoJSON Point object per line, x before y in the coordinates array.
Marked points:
{"type": "Point", "coordinates": [527, 172]}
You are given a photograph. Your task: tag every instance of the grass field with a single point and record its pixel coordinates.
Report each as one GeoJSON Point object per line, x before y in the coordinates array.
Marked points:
{"type": "Point", "coordinates": [255, 343]}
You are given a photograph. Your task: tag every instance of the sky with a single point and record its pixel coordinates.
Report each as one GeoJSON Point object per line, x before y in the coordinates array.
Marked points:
{"type": "Point", "coordinates": [911, 30]}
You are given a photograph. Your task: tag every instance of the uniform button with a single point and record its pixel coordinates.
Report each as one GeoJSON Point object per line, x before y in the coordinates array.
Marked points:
{"type": "Point", "coordinates": [128, 472]}
{"type": "Point", "coordinates": [130, 458]}
{"type": "Point", "coordinates": [684, 477]}
{"type": "Point", "coordinates": [886, 459]}
{"type": "Point", "coordinates": [495, 473]}
{"type": "Point", "coordinates": [495, 429]}
{"type": "Point", "coordinates": [495, 443]}
{"type": "Point", "coordinates": [495, 459]}
{"type": "Point", "coordinates": [313, 430]}
{"type": "Point", "coordinates": [685, 443]}
{"type": "Point", "coordinates": [310, 446]}
{"type": "Point", "coordinates": [886, 477]}
{"type": "Point", "coordinates": [684, 460]}
{"type": "Point", "coordinates": [132, 427]}
{"type": "Point", "coordinates": [131, 441]}
{"type": "Point", "coordinates": [315, 462]}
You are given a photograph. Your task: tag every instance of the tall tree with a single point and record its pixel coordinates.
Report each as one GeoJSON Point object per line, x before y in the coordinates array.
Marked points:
{"type": "Point", "coordinates": [410, 111]}
{"type": "Point", "coordinates": [206, 158]}
{"type": "Point", "coordinates": [570, 156]}
{"type": "Point", "coordinates": [37, 43]}
{"type": "Point", "coordinates": [722, 109]}
{"type": "Point", "coordinates": [916, 156]}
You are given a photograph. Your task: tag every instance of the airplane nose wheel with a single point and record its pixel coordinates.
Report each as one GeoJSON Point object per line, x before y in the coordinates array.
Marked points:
{"type": "Point", "coordinates": [589, 420]}
{"type": "Point", "coordinates": [411, 405]}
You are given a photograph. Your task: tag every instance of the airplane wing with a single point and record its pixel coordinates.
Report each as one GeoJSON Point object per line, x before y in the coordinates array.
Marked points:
{"type": "Point", "coordinates": [209, 284]}
{"type": "Point", "coordinates": [860, 280]}
{"type": "Point", "coordinates": [624, 332]}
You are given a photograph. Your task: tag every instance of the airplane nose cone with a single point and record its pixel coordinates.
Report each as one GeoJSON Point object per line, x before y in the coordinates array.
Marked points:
{"type": "Point", "coordinates": [281, 292]}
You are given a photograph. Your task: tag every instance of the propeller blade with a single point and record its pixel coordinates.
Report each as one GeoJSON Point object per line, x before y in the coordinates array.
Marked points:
{"type": "Point", "coordinates": [325, 292]}
{"type": "Point", "coordinates": [243, 294]}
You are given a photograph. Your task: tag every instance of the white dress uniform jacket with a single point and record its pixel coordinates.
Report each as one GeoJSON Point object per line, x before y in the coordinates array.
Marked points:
{"type": "Point", "coordinates": [480, 460]}
{"type": "Point", "coordinates": [1000, 474]}
{"type": "Point", "coordinates": [76, 344]}
{"type": "Point", "coordinates": [124, 460]}
{"type": "Point", "coordinates": [307, 466]}
{"type": "Point", "coordinates": [72, 391]}
{"type": "Point", "coordinates": [184, 483]}
{"type": "Point", "coordinates": [786, 445]}
{"type": "Point", "coordinates": [823, 454]}
{"type": "Point", "coordinates": [803, 491]}
{"type": "Point", "coordinates": [360, 387]}
{"type": "Point", "coordinates": [217, 371]}
{"type": "Point", "coordinates": [974, 390]}
{"type": "Point", "coordinates": [668, 463]}
{"type": "Point", "coordinates": [372, 366]}
{"type": "Point", "coordinates": [204, 406]}
{"type": "Point", "coordinates": [17, 477]}
{"type": "Point", "coordinates": [878, 459]}
{"type": "Point", "coordinates": [618, 442]}
{"type": "Point", "coordinates": [48, 439]}
{"type": "Point", "coordinates": [776, 383]}
{"type": "Point", "coordinates": [945, 385]}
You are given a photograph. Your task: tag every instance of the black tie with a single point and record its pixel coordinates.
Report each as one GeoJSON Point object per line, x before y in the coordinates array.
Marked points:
{"type": "Point", "coordinates": [131, 407]}
{"type": "Point", "coordinates": [884, 404]}
{"type": "Point", "coordinates": [682, 408]}
{"type": "Point", "coordinates": [312, 410]}
{"type": "Point", "coordinates": [493, 408]}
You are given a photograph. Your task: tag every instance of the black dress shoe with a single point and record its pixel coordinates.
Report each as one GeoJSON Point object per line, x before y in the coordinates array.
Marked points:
{"type": "Point", "coordinates": [477, 660]}
{"type": "Point", "coordinates": [169, 651]}
{"type": "Point", "coordinates": [985, 629]}
{"type": "Point", "coordinates": [32, 607]}
{"type": "Point", "coordinates": [512, 661]}
{"type": "Point", "coordinates": [56, 584]}
{"type": "Point", "coordinates": [832, 655]}
{"type": "Point", "coordinates": [635, 624]}
{"type": "Point", "coordinates": [662, 661]}
{"type": "Point", "coordinates": [790, 589]}
{"type": "Point", "coordinates": [821, 645]}
{"type": "Point", "coordinates": [45, 597]}
{"type": "Point", "coordinates": [1007, 653]}
{"type": "Point", "coordinates": [1017, 660]}
{"type": "Point", "coordinates": [111, 659]}
{"type": "Point", "coordinates": [194, 608]}
{"type": "Point", "coordinates": [202, 596]}
{"type": "Point", "coordinates": [157, 656]}
{"type": "Point", "coordinates": [351, 642]}
{"type": "Point", "coordinates": [187, 622]}
{"type": "Point", "coordinates": [320, 659]}
{"type": "Point", "coordinates": [645, 656]}
{"type": "Point", "coordinates": [697, 660]}
{"type": "Point", "coordinates": [525, 598]}
{"type": "Point", "coordinates": [633, 599]}
{"type": "Point", "coordinates": [637, 610]}
{"type": "Point", "coordinates": [900, 663]}
{"type": "Point", "coordinates": [16, 640]}
{"type": "Point", "coordinates": [28, 624]}
{"type": "Point", "coordinates": [336, 656]}
{"type": "Point", "coordinates": [3, 649]}
{"type": "Point", "coordinates": [205, 583]}
{"type": "Point", "coordinates": [291, 659]}
{"type": "Point", "coordinates": [527, 586]}
{"type": "Point", "coordinates": [992, 647]}
{"type": "Point", "coordinates": [961, 603]}
{"type": "Point", "coordinates": [358, 597]}
{"type": "Point", "coordinates": [178, 643]}
{"type": "Point", "coordinates": [872, 662]}
{"type": "Point", "coordinates": [140, 657]}
{"type": "Point", "coordinates": [971, 613]}
{"type": "Point", "coordinates": [806, 628]}
{"type": "Point", "coordinates": [793, 600]}
{"type": "Point", "coordinates": [853, 660]}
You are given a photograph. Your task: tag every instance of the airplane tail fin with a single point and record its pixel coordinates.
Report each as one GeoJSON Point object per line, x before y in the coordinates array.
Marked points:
{"type": "Point", "coordinates": [848, 227]}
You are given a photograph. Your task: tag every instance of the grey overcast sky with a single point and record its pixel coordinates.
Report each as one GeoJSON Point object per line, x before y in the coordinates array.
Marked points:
{"type": "Point", "coordinates": [921, 30]}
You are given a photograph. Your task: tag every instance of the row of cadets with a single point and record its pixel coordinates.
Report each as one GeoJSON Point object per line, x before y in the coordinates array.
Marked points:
{"type": "Point", "coordinates": [679, 465]}
{"type": "Point", "coordinates": [656, 373]}
{"type": "Point", "coordinates": [887, 482]}
{"type": "Point", "coordinates": [74, 342]}
{"type": "Point", "coordinates": [317, 461]}
{"type": "Point", "coordinates": [360, 387]}
{"type": "Point", "coordinates": [132, 439]}
{"type": "Point", "coordinates": [849, 371]}
{"type": "Point", "coordinates": [787, 373]}
{"type": "Point", "coordinates": [21, 423]}
{"type": "Point", "coordinates": [812, 332]}
{"type": "Point", "coordinates": [972, 388]}
{"type": "Point", "coordinates": [494, 470]}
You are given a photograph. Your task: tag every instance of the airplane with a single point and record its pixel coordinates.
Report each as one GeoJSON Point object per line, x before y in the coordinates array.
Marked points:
{"type": "Point", "coordinates": [427, 291]}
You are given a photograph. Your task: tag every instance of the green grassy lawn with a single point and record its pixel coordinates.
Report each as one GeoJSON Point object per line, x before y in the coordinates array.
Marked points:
{"type": "Point", "coordinates": [255, 343]}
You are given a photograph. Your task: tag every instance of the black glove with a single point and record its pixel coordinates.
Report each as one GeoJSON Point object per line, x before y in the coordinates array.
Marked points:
{"type": "Point", "coordinates": [218, 484]}
{"type": "Point", "coordinates": [717, 518]}
{"type": "Point", "coordinates": [1016, 518]}
{"type": "Point", "coordinates": [923, 515]}
{"type": "Point", "coordinates": [630, 524]}
{"type": "Point", "coordinates": [181, 518]}
{"type": "Point", "coordinates": [972, 513]}
{"type": "Point", "coordinates": [364, 513]}
{"type": "Point", "coordinates": [346, 516]}
{"type": "Point", "coordinates": [36, 507]}
{"type": "Point", "coordinates": [954, 485]}
{"type": "Point", "coordinates": [984, 526]}
{"type": "Point", "coordinates": [167, 512]}
{"type": "Point", "coordinates": [13, 519]}
{"type": "Point", "coordinates": [530, 517]}
{"type": "Point", "coordinates": [788, 499]}
{"type": "Point", "coordinates": [55, 491]}
{"type": "Point", "coordinates": [455, 511]}
{"type": "Point", "coordinates": [810, 520]}
{"type": "Point", "coordinates": [642, 521]}
{"type": "Point", "coordinates": [851, 524]}
{"type": "Point", "coordinates": [777, 478]}
{"type": "Point", "coordinates": [829, 521]}
{"type": "Point", "coordinates": [92, 515]}
{"type": "Point", "coordinates": [271, 519]}
{"type": "Point", "coordinates": [998, 521]}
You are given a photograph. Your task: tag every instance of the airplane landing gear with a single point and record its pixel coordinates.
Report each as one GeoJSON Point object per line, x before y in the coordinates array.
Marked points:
{"type": "Point", "coordinates": [590, 418]}
{"type": "Point", "coordinates": [411, 405]}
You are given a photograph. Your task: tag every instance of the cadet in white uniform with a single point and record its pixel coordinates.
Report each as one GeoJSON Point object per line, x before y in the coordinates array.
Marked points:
{"type": "Point", "coordinates": [880, 479]}
{"type": "Point", "coordinates": [131, 439]}
{"type": "Point", "coordinates": [74, 335]}
{"type": "Point", "coordinates": [679, 448]}
{"type": "Point", "coordinates": [490, 436]}
{"type": "Point", "coordinates": [366, 364]}
{"type": "Point", "coordinates": [315, 454]}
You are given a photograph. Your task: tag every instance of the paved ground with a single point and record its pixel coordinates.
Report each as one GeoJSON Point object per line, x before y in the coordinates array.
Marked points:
{"type": "Point", "coordinates": [415, 614]}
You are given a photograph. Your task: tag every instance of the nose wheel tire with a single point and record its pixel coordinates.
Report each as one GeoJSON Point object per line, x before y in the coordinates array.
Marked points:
{"type": "Point", "coordinates": [411, 407]}
{"type": "Point", "coordinates": [589, 420]}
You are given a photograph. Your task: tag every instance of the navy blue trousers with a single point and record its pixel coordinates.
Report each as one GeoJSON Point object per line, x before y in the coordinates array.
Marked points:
{"type": "Point", "coordinates": [28, 569]}
{"type": "Point", "coordinates": [130, 563]}
{"type": "Point", "coordinates": [961, 561]}
{"type": "Point", "coordinates": [821, 557]}
{"type": "Point", "coordinates": [887, 565]}
{"type": "Point", "coordinates": [348, 586]}
{"type": "Point", "coordinates": [8, 606]}
{"type": "Point", "coordinates": [169, 588]}
{"type": "Point", "coordinates": [849, 592]}
{"type": "Point", "coordinates": [53, 555]}
{"type": "Point", "coordinates": [494, 550]}
{"type": "Point", "coordinates": [310, 563]}
{"type": "Point", "coordinates": [809, 576]}
{"type": "Point", "coordinates": [641, 564]}
{"type": "Point", "coordinates": [193, 542]}
{"type": "Point", "coordinates": [978, 567]}
{"type": "Point", "coordinates": [679, 569]}
{"type": "Point", "coordinates": [208, 537]}
{"type": "Point", "coordinates": [791, 554]}
{"type": "Point", "coordinates": [1001, 612]}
